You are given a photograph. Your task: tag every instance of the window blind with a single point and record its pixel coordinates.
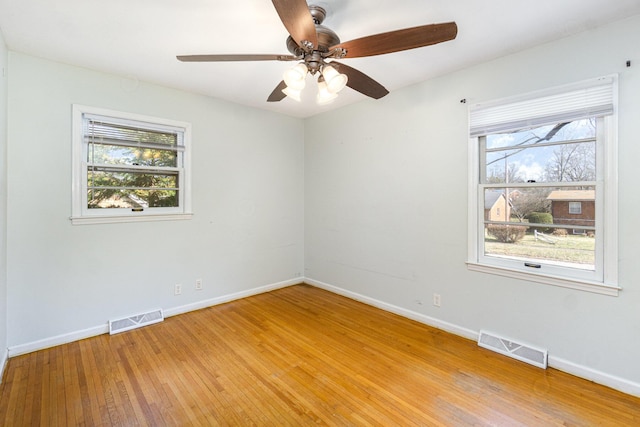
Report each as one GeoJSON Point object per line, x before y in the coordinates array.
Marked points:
{"type": "Point", "coordinates": [592, 98]}
{"type": "Point", "coordinates": [103, 132]}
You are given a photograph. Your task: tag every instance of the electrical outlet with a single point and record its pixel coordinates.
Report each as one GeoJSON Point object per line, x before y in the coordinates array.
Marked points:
{"type": "Point", "coordinates": [436, 300]}
{"type": "Point", "coordinates": [198, 284]}
{"type": "Point", "coordinates": [177, 290]}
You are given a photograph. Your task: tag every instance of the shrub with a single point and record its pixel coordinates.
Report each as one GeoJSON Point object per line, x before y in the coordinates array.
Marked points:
{"type": "Point", "coordinates": [560, 232]}
{"type": "Point", "coordinates": [541, 218]}
{"type": "Point", "coordinates": [507, 233]}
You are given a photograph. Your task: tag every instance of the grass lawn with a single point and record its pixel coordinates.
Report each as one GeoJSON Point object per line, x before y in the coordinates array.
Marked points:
{"type": "Point", "coordinates": [569, 249]}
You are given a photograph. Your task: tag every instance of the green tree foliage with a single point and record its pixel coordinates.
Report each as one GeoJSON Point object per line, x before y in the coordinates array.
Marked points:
{"type": "Point", "coordinates": [126, 176]}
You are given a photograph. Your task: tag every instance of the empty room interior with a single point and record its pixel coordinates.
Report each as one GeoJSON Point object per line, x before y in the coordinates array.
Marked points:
{"type": "Point", "coordinates": [333, 212]}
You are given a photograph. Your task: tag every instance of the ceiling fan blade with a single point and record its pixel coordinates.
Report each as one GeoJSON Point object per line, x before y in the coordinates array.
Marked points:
{"type": "Point", "coordinates": [277, 94]}
{"type": "Point", "coordinates": [222, 58]}
{"type": "Point", "coordinates": [359, 81]}
{"type": "Point", "coordinates": [395, 41]}
{"type": "Point", "coordinates": [296, 18]}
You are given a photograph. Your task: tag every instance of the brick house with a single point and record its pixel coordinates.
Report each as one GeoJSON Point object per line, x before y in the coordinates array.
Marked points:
{"type": "Point", "coordinates": [573, 207]}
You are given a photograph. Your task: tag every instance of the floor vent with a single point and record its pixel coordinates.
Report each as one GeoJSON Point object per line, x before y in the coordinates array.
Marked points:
{"type": "Point", "coordinates": [523, 352]}
{"type": "Point", "coordinates": [137, 321]}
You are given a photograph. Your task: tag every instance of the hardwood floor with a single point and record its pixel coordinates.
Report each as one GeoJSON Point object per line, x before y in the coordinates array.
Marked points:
{"type": "Point", "coordinates": [295, 356]}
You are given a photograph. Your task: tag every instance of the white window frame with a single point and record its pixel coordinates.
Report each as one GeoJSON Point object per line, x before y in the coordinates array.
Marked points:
{"type": "Point", "coordinates": [605, 278]}
{"type": "Point", "coordinates": [80, 214]}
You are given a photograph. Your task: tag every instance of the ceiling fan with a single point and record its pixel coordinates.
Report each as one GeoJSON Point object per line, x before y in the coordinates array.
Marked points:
{"type": "Point", "coordinates": [317, 47]}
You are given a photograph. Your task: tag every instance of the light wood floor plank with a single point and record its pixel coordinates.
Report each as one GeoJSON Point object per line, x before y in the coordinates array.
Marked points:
{"type": "Point", "coordinates": [294, 357]}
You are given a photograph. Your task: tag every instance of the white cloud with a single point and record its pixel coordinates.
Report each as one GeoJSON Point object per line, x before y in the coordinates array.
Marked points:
{"type": "Point", "coordinates": [533, 171]}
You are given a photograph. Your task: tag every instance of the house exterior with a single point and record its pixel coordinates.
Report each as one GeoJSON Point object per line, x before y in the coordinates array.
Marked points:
{"type": "Point", "coordinates": [496, 207]}
{"type": "Point", "coordinates": [573, 207]}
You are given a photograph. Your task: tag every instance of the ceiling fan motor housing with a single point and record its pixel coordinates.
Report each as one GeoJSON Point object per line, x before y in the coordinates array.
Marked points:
{"type": "Point", "coordinates": [326, 38]}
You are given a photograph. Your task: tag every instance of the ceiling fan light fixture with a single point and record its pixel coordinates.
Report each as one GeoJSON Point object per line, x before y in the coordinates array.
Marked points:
{"type": "Point", "coordinates": [295, 77]}
{"type": "Point", "coordinates": [292, 93]}
{"type": "Point", "coordinates": [324, 96]}
{"type": "Point", "coordinates": [310, 44]}
{"type": "Point", "coordinates": [334, 80]}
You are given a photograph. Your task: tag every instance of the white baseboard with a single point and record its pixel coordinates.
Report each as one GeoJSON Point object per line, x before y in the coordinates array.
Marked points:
{"type": "Point", "coordinates": [427, 320]}
{"type": "Point", "coordinates": [17, 350]}
{"type": "Point", "coordinates": [231, 297]}
{"type": "Point", "coordinates": [103, 329]}
{"type": "Point", "coordinates": [581, 371]}
{"type": "Point", "coordinates": [3, 364]}
{"type": "Point", "coordinates": [598, 377]}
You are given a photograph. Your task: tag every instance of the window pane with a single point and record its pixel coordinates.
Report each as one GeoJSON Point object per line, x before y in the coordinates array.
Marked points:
{"type": "Point", "coordinates": [549, 154]}
{"type": "Point", "coordinates": [579, 129]}
{"type": "Point", "coordinates": [575, 208]}
{"type": "Point", "coordinates": [115, 178]}
{"type": "Point", "coordinates": [115, 188]}
{"type": "Point", "coordinates": [539, 226]}
{"type": "Point", "coordinates": [557, 163]}
{"type": "Point", "coordinates": [541, 205]}
{"type": "Point", "coordinates": [102, 198]}
{"type": "Point", "coordinates": [120, 155]}
{"type": "Point", "coordinates": [522, 203]}
{"type": "Point", "coordinates": [551, 245]}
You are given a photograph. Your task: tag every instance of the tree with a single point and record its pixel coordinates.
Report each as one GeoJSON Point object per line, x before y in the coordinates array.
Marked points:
{"type": "Point", "coordinates": [534, 199]}
{"type": "Point", "coordinates": [572, 162]}
{"type": "Point", "coordinates": [497, 174]}
{"type": "Point", "coordinates": [120, 174]}
{"type": "Point", "coordinates": [533, 139]}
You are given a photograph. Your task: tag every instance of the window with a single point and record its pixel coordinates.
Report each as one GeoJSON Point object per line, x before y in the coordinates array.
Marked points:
{"type": "Point", "coordinates": [575, 208]}
{"type": "Point", "coordinates": [128, 167]}
{"type": "Point", "coordinates": [552, 156]}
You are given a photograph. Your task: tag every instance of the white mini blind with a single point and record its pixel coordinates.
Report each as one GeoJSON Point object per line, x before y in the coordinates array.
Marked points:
{"type": "Point", "coordinates": [108, 131]}
{"type": "Point", "coordinates": [592, 98]}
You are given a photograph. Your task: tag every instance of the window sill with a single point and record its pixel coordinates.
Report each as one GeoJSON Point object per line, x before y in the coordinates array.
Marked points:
{"type": "Point", "coordinates": [582, 285]}
{"type": "Point", "coordinates": [85, 220]}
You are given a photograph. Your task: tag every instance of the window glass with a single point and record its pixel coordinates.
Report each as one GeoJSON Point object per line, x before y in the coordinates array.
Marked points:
{"type": "Point", "coordinates": [537, 226]}
{"type": "Point", "coordinates": [575, 208]}
{"type": "Point", "coordinates": [540, 179]}
{"type": "Point", "coordinates": [129, 165]}
{"type": "Point", "coordinates": [562, 152]}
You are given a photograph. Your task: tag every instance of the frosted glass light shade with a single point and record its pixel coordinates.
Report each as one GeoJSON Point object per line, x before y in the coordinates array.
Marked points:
{"type": "Point", "coordinates": [295, 77]}
{"type": "Point", "coordinates": [292, 93]}
{"type": "Point", "coordinates": [335, 81]}
{"type": "Point", "coordinates": [324, 96]}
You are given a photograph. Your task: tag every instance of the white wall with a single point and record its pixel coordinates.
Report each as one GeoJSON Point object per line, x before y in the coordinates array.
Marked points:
{"type": "Point", "coordinates": [379, 208]}
{"type": "Point", "coordinates": [247, 231]}
{"type": "Point", "coordinates": [3, 202]}
{"type": "Point", "coordinates": [386, 208]}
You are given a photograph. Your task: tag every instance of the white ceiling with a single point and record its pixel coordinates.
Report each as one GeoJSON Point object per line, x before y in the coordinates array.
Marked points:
{"type": "Point", "coordinates": [139, 39]}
